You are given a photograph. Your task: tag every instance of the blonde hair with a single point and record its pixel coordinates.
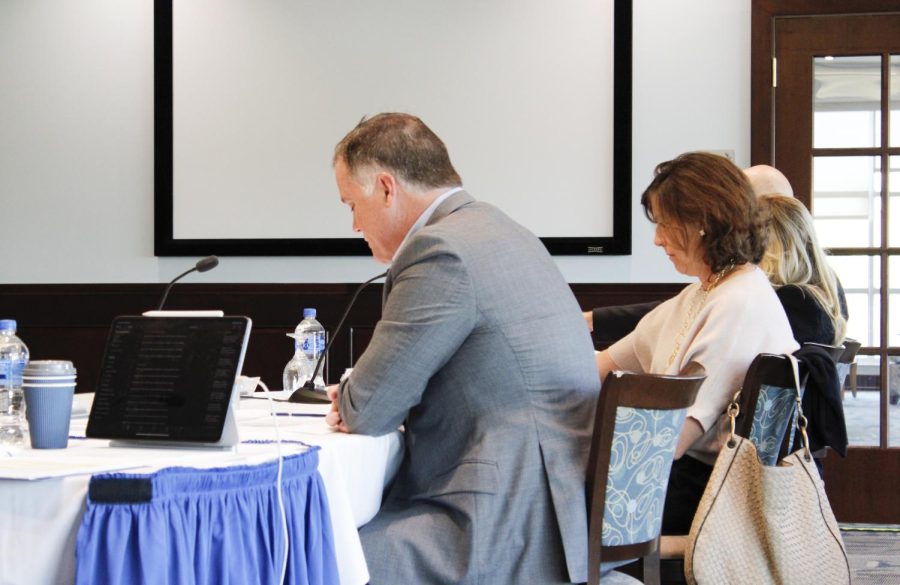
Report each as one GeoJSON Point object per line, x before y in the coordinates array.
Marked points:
{"type": "Point", "coordinates": [794, 256]}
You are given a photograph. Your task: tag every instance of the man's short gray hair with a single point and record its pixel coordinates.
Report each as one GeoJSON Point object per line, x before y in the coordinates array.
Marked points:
{"type": "Point", "coordinates": [401, 143]}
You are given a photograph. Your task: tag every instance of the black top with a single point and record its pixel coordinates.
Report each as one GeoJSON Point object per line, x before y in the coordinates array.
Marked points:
{"type": "Point", "coordinates": [613, 323]}
{"type": "Point", "coordinates": [808, 319]}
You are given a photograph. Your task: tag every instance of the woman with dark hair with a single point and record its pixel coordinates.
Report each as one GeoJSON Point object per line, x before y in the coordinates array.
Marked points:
{"type": "Point", "coordinates": [710, 226]}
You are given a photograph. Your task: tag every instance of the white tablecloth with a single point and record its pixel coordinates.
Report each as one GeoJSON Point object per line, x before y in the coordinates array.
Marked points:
{"type": "Point", "coordinates": [39, 519]}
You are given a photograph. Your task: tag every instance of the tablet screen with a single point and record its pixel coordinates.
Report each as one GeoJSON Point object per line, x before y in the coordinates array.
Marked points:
{"type": "Point", "coordinates": [168, 378]}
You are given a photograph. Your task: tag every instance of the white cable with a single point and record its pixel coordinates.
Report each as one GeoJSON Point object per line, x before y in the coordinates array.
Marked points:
{"type": "Point", "coordinates": [284, 530]}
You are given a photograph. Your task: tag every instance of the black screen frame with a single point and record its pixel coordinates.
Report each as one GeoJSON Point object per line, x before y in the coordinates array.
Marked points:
{"type": "Point", "coordinates": [165, 243]}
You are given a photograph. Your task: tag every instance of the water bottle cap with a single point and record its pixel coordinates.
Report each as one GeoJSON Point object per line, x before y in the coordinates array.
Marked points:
{"type": "Point", "coordinates": [309, 313]}
{"type": "Point", "coordinates": [7, 324]}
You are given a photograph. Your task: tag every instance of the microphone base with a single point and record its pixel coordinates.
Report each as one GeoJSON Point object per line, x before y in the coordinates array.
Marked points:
{"type": "Point", "coordinates": [304, 395]}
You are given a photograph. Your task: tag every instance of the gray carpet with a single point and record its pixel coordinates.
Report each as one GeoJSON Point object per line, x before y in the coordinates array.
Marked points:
{"type": "Point", "coordinates": [872, 549]}
{"type": "Point", "coordinates": [874, 553]}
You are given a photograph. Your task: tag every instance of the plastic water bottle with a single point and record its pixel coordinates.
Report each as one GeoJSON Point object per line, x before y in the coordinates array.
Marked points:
{"type": "Point", "coordinates": [13, 359]}
{"type": "Point", "coordinates": [309, 343]}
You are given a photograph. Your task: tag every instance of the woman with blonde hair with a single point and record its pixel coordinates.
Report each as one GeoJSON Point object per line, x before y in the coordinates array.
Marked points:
{"type": "Point", "coordinates": [804, 282]}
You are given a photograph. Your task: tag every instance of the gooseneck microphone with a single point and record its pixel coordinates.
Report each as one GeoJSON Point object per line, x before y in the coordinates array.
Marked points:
{"type": "Point", "coordinates": [202, 265]}
{"type": "Point", "coordinates": [307, 393]}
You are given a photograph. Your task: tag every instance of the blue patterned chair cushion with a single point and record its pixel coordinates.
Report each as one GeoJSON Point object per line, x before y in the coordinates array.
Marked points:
{"type": "Point", "coordinates": [640, 461]}
{"type": "Point", "coordinates": [775, 410]}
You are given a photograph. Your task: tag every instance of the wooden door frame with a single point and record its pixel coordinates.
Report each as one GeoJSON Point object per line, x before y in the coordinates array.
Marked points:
{"type": "Point", "coordinates": [799, 40]}
{"type": "Point", "coordinates": [763, 14]}
{"type": "Point", "coordinates": [861, 487]}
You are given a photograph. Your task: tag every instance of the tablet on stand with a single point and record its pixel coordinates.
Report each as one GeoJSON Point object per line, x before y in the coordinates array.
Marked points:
{"type": "Point", "coordinates": [168, 381]}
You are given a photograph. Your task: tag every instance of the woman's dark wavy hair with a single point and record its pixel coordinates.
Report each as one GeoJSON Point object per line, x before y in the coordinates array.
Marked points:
{"type": "Point", "coordinates": [705, 191]}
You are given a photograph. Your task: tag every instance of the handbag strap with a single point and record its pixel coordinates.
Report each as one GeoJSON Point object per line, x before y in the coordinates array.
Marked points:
{"type": "Point", "coordinates": [802, 422]}
{"type": "Point", "coordinates": [734, 410]}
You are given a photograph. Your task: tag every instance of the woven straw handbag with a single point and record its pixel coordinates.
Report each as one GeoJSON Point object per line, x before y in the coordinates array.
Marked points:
{"type": "Point", "coordinates": [759, 524]}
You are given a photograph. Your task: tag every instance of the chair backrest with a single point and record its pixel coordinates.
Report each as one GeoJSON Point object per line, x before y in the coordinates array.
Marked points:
{"type": "Point", "coordinates": [636, 428]}
{"type": "Point", "coordinates": [846, 359]}
{"type": "Point", "coordinates": [851, 347]}
{"type": "Point", "coordinates": [835, 351]}
{"type": "Point", "coordinates": [767, 403]}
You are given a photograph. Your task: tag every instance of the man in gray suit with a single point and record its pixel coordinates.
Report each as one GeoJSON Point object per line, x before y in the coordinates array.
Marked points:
{"type": "Point", "coordinates": [482, 355]}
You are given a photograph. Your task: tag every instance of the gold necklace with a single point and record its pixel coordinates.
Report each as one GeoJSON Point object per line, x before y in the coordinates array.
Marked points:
{"type": "Point", "coordinates": [697, 303]}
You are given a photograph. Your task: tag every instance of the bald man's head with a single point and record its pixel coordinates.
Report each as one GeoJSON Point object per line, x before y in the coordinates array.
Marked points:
{"type": "Point", "coordinates": [767, 180]}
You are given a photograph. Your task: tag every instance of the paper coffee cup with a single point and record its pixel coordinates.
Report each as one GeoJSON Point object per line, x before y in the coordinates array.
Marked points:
{"type": "Point", "coordinates": [49, 386]}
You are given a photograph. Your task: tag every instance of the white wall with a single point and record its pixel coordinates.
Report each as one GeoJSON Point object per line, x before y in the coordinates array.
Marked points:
{"type": "Point", "coordinates": [76, 140]}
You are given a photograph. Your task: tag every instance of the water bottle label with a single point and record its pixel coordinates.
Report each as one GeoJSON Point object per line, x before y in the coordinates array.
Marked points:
{"type": "Point", "coordinates": [11, 370]}
{"type": "Point", "coordinates": [18, 370]}
{"type": "Point", "coordinates": [313, 346]}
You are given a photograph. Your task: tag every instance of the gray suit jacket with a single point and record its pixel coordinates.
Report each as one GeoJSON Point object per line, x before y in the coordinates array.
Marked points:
{"type": "Point", "coordinates": [482, 354]}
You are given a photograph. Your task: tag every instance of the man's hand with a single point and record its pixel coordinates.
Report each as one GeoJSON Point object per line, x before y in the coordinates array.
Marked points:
{"type": "Point", "coordinates": [589, 319]}
{"type": "Point", "coordinates": [333, 418]}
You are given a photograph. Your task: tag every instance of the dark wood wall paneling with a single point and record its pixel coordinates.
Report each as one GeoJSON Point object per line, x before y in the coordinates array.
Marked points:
{"type": "Point", "coordinates": [71, 321]}
{"type": "Point", "coordinates": [858, 495]}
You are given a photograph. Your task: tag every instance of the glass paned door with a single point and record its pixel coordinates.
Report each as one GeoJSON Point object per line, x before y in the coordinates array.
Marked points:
{"type": "Point", "coordinates": [846, 198]}
{"type": "Point", "coordinates": [846, 102]}
{"type": "Point", "coordinates": [853, 103]}
{"type": "Point", "coordinates": [825, 96]}
{"type": "Point", "coordinates": [895, 101]}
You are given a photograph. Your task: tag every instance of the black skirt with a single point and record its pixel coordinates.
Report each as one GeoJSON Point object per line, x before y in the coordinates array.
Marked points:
{"type": "Point", "coordinates": [686, 484]}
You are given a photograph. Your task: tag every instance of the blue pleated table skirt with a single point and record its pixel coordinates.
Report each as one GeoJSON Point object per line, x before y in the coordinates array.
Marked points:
{"type": "Point", "coordinates": [221, 526]}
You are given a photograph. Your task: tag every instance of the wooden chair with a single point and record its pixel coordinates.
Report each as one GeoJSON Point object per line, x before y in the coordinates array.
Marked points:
{"type": "Point", "coordinates": [767, 406]}
{"type": "Point", "coordinates": [636, 427]}
{"type": "Point", "coordinates": [846, 365]}
{"type": "Point", "coordinates": [836, 351]}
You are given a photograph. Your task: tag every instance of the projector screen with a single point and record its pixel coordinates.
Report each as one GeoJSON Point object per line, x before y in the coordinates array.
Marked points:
{"type": "Point", "coordinates": [532, 98]}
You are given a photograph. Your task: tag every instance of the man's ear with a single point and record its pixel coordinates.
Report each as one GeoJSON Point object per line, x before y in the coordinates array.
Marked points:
{"type": "Point", "coordinates": [386, 188]}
